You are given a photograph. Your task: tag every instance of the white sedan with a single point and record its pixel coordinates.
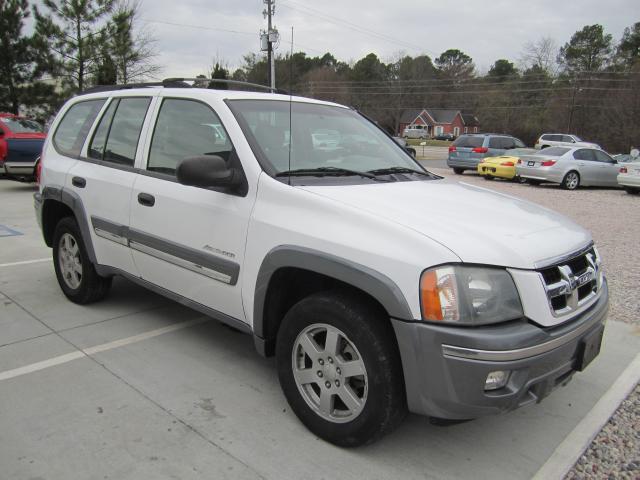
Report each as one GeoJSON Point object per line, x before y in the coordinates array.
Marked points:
{"type": "Point", "coordinates": [629, 176]}
{"type": "Point", "coordinates": [570, 167]}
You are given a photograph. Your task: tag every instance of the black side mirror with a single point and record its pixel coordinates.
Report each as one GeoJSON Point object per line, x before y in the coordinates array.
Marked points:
{"type": "Point", "coordinates": [207, 171]}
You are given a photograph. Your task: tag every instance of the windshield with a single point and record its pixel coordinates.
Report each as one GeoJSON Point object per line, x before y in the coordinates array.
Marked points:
{"type": "Point", "coordinates": [324, 138]}
{"type": "Point", "coordinates": [21, 125]}
{"type": "Point", "coordinates": [554, 151]}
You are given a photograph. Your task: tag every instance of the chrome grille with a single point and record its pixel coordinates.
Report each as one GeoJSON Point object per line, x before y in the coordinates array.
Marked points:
{"type": "Point", "coordinates": [572, 283]}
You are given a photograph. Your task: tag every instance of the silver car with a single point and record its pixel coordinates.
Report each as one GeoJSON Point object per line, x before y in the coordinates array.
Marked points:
{"type": "Point", "coordinates": [570, 167]}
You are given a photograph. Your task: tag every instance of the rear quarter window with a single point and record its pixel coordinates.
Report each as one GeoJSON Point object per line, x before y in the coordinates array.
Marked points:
{"type": "Point", "coordinates": [74, 127]}
{"type": "Point", "coordinates": [469, 141]}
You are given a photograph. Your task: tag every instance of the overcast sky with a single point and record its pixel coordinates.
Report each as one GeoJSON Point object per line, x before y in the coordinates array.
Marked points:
{"type": "Point", "coordinates": [484, 29]}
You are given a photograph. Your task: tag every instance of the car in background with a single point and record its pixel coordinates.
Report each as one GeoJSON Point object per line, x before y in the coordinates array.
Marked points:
{"type": "Point", "coordinates": [547, 140]}
{"type": "Point", "coordinates": [629, 175]}
{"type": "Point", "coordinates": [504, 166]}
{"type": "Point", "coordinates": [470, 149]}
{"type": "Point", "coordinates": [416, 131]}
{"type": "Point", "coordinates": [403, 143]}
{"type": "Point", "coordinates": [21, 142]}
{"type": "Point", "coordinates": [570, 167]}
{"type": "Point", "coordinates": [445, 136]}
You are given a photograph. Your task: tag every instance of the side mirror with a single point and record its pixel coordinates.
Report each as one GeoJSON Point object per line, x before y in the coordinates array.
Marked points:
{"type": "Point", "coordinates": [207, 171]}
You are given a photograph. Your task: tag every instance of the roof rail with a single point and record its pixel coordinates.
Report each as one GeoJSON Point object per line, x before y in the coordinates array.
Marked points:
{"type": "Point", "coordinates": [182, 83]}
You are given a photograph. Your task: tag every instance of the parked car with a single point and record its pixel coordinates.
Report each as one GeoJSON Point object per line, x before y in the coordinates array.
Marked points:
{"type": "Point", "coordinates": [570, 167]}
{"type": "Point", "coordinates": [403, 143]}
{"type": "Point", "coordinates": [376, 284]}
{"type": "Point", "coordinates": [469, 149]}
{"type": "Point", "coordinates": [629, 176]}
{"type": "Point", "coordinates": [504, 166]}
{"type": "Point", "coordinates": [445, 136]}
{"type": "Point", "coordinates": [416, 131]}
{"type": "Point", "coordinates": [21, 143]}
{"type": "Point", "coordinates": [562, 140]}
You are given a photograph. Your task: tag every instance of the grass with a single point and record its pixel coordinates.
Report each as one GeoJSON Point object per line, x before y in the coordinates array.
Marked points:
{"type": "Point", "coordinates": [428, 143]}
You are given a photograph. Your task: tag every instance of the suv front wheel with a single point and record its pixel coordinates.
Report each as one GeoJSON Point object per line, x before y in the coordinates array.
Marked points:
{"type": "Point", "coordinates": [76, 274]}
{"type": "Point", "coordinates": [340, 369]}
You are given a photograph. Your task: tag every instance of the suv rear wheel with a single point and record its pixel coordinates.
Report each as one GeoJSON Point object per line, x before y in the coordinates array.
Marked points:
{"type": "Point", "coordinates": [458, 171]}
{"type": "Point", "coordinates": [76, 274]}
{"type": "Point", "coordinates": [340, 369]}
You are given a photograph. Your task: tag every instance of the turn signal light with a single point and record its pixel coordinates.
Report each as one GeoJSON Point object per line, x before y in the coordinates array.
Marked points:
{"type": "Point", "coordinates": [430, 297]}
{"type": "Point", "coordinates": [452, 148]}
{"type": "Point", "coordinates": [548, 163]}
{"type": "Point", "coordinates": [623, 169]}
{"type": "Point", "coordinates": [480, 150]}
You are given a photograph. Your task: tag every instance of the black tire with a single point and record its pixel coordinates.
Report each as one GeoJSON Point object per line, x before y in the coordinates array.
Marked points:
{"type": "Point", "coordinates": [366, 327]}
{"type": "Point", "coordinates": [92, 287]}
{"type": "Point", "coordinates": [631, 190]}
{"type": "Point", "coordinates": [544, 146]}
{"type": "Point", "coordinates": [488, 177]}
{"type": "Point", "coordinates": [458, 171]}
{"type": "Point", "coordinates": [412, 152]}
{"type": "Point", "coordinates": [571, 180]}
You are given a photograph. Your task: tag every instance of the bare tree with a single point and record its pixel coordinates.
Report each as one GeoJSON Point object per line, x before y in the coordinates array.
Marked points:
{"type": "Point", "coordinates": [131, 47]}
{"type": "Point", "coordinates": [540, 55]}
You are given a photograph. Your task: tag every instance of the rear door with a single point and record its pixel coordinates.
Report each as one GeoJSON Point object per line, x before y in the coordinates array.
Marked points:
{"type": "Point", "coordinates": [586, 165]}
{"type": "Point", "coordinates": [104, 177]}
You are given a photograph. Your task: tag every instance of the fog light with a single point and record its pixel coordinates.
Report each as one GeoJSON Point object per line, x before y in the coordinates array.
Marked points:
{"type": "Point", "coordinates": [496, 380]}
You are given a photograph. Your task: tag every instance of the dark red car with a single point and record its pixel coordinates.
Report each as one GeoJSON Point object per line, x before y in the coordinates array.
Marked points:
{"type": "Point", "coordinates": [21, 142]}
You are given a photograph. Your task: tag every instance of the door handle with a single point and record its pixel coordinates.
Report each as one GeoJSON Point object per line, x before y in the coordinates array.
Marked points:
{"type": "Point", "coordinates": [146, 199]}
{"type": "Point", "coordinates": [78, 182]}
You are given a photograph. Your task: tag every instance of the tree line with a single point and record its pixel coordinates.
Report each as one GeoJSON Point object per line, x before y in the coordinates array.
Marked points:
{"type": "Point", "coordinates": [590, 86]}
{"type": "Point", "coordinates": [74, 44]}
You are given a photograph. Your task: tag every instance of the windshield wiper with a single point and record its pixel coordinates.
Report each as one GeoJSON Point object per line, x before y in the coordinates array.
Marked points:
{"type": "Point", "coordinates": [392, 170]}
{"type": "Point", "coordinates": [324, 171]}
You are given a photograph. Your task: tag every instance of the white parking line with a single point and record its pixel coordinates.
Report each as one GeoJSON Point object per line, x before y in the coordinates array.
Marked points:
{"type": "Point", "coordinates": [25, 262]}
{"type": "Point", "coordinates": [68, 357]}
{"type": "Point", "coordinates": [574, 445]}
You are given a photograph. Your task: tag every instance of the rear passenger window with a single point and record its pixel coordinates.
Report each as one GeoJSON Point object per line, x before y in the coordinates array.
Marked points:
{"type": "Point", "coordinates": [584, 155]}
{"type": "Point", "coordinates": [567, 139]}
{"type": "Point", "coordinates": [602, 157]}
{"type": "Point", "coordinates": [119, 131]}
{"type": "Point", "coordinates": [502, 143]}
{"type": "Point", "coordinates": [75, 125]}
{"type": "Point", "coordinates": [469, 141]}
{"type": "Point", "coordinates": [186, 128]}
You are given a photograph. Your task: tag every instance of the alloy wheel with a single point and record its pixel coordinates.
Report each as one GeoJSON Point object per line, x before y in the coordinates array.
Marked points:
{"type": "Point", "coordinates": [70, 261]}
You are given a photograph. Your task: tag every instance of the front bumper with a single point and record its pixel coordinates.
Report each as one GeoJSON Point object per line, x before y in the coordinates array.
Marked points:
{"type": "Point", "coordinates": [445, 367]}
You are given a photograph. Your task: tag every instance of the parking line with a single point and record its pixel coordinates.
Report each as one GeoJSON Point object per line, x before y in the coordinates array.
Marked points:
{"type": "Point", "coordinates": [68, 357]}
{"type": "Point", "coordinates": [25, 262]}
{"type": "Point", "coordinates": [574, 445]}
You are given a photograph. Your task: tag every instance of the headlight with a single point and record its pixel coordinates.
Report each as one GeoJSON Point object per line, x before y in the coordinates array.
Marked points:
{"type": "Point", "coordinates": [468, 295]}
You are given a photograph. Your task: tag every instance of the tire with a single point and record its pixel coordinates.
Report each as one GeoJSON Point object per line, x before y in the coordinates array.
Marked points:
{"type": "Point", "coordinates": [571, 180]}
{"type": "Point", "coordinates": [544, 146]}
{"type": "Point", "coordinates": [458, 171]}
{"type": "Point", "coordinates": [366, 342]}
{"type": "Point", "coordinates": [412, 152]}
{"type": "Point", "coordinates": [488, 177]}
{"type": "Point", "coordinates": [76, 274]}
{"type": "Point", "coordinates": [632, 190]}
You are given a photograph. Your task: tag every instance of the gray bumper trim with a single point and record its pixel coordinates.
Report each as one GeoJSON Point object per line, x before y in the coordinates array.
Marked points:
{"type": "Point", "coordinates": [511, 355]}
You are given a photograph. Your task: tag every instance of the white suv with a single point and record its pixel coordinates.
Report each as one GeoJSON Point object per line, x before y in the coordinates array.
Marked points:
{"type": "Point", "coordinates": [374, 282]}
{"type": "Point", "coordinates": [563, 140]}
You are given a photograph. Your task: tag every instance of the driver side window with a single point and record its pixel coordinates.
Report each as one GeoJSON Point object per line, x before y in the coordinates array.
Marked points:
{"type": "Point", "coordinates": [186, 128]}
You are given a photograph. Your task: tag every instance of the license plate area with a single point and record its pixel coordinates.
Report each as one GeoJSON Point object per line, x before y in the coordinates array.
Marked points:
{"type": "Point", "coordinates": [589, 348]}
{"type": "Point", "coordinates": [531, 164]}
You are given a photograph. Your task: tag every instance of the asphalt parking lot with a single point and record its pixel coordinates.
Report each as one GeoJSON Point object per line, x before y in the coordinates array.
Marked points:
{"type": "Point", "coordinates": [138, 387]}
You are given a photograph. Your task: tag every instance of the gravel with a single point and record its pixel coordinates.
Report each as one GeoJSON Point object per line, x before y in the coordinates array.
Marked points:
{"type": "Point", "coordinates": [613, 217]}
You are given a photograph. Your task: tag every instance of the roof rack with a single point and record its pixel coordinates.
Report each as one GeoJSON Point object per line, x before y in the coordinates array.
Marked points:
{"type": "Point", "coordinates": [182, 83]}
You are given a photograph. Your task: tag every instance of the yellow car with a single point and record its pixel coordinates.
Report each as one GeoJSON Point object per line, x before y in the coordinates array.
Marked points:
{"type": "Point", "coordinates": [505, 165]}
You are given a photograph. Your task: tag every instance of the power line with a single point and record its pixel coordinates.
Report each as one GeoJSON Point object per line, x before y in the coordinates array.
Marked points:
{"type": "Point", "coordinates": [199, 27]}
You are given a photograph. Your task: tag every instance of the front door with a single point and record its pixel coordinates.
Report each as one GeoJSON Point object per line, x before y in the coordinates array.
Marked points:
{"type": "Point", "coordinates": [190, 240]}
{"type": "Point", "coordinates": [608, 170]}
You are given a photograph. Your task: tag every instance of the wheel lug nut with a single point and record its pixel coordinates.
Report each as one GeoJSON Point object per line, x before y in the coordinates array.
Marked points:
{"type": "Point", "coordinates": [338, 371]}
{"type": "Point", "coordinates": [337, 383]}
{"type": "Point", "coordinates": [330, 360]}
{"type": "Point", "coordinates": [327, 384]}
{"type": "Point", "coordinates": [321, 362]}
{"type": "Point", "coordinates": [320, 373]}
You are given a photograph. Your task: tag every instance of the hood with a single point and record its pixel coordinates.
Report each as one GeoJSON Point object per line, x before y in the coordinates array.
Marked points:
{"type": "Point", "coordinates": [477, 224]}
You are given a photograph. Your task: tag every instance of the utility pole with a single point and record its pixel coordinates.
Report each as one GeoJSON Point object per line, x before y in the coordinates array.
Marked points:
{"type": "Point", "coordinates": [268, 39]}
